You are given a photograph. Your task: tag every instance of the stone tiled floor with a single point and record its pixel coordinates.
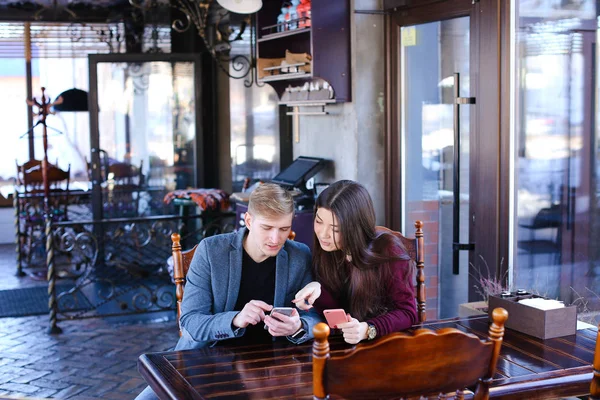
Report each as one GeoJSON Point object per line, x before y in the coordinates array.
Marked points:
{"type": "Point", "coordinates": [91, 359]}
{"type": "Point", "coordinates": [8, 269]}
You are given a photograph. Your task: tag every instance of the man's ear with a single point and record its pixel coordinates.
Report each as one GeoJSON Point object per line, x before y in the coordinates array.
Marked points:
{"type": "Point", "coordinates": [247, 219]}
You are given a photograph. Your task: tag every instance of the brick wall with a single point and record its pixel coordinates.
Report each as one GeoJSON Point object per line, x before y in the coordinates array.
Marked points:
{"type": "Point", "coordinates": [428, 212]}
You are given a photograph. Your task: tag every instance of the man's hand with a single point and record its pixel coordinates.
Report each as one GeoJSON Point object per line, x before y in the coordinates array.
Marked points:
{"type": "Point", "coordinates": [282, 325]}
{"type": "Point", "coordinates": [252, 313]}
{"type": "Point", "coordinates": [353, 331]}
{"type": "Point", "coordinates": [306, 296]}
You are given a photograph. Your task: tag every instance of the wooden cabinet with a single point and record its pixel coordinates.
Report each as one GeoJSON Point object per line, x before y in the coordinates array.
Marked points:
{"type": "Point", "coordinates": [327, 41]}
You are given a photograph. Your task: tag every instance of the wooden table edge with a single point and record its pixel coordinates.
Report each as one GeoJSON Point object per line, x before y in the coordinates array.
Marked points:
{"type": "Point", "coordinates": [565, 386]}
{"type": "Point", "coordinates": [164, 379]}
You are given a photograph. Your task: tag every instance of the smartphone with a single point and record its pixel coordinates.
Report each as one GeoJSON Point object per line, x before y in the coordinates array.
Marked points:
{"type": "Point", "coordinates": [335, 317]}
{"type": "Point", "coordinates": [287, 311]}
{"type": "Point", "coordinates": [282, 310]}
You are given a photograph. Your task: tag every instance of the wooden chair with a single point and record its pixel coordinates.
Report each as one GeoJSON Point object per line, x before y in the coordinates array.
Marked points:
{"type": "Point", "coordinates": [421, 363]}
{"type": "Point", "coordinates": [595, 386]}
{"type": "Point", "coordinates": [181, 265]}
{"type": "Point", "coordinates": [31, 203]}
{"type": "Point", "coordinates": [31, 178]}
{"type": "Point", "coordinates": [415, 247]}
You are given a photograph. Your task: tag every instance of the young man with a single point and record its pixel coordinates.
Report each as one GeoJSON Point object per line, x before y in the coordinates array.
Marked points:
{"type": "Point", "coordinates": [236, 279]}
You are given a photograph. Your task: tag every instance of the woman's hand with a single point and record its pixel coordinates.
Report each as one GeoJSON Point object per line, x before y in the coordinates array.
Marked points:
{"type": "Point", "coordinates": [307, 295]}
{"type": "Point", "coordinates": [353, 330]}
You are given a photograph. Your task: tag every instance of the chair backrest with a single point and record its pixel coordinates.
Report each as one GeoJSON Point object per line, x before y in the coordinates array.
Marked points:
{"type": "Point", "coordinates": [423, 362]}
{"type": "Point", "coordinates": [595, 386]}
{"type": "Point", "coordinates": [415, 248]}
{"type": "Point", "coordinates": [181, 265]}
{"type": "Point", "coordinates": [124, 173]}
{"type": "Point", "coordinates": [30, 176]}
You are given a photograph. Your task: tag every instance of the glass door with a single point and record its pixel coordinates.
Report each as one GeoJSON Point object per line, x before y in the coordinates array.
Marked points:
{"type": "Point", "coordinates": [143, 135]}
{"type": "Point", "coordinates": [557, 163]}
{"type": "Point", "coordinates": [435, 136]}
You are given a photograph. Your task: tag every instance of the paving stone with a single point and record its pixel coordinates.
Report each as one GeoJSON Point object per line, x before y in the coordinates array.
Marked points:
{"type": "Point", "coordinates": [44, 393]}
{"type": "Point", "coordinates": [6, 361]}
{"type": "Point", "coordinates": [58, 373]}
{"type": "Point", "coordinates": [19, 387]}
{"type": "Point", "coordinates": [102, 376]}
{"type": "Point", "coordinates": [117, 369]}
{"type": "Point", "coordinates": [27, 362]}
{"type": "Point", "coordinates": [7, 377]}
{"type": "Point", "coordinates": [11, 354]}
{"type": "Point", "coordinates": [9, 369]}
{"type": "Point", "coordinates": [131, 373]}
{"type": "Point", "coordinates": [72, 390]}
{"type": "Point", "coordinates": [30, 376]}
{"type": "Point", "coordinates": [80, 380]}
{"type": "Point", "coordinates": [122, 396]}
{"type": "Point", "coordinates": [19, 395]}
{"type": "Point", "coordinates": [50, 384]}
{"type": "Point", "coordinates": [132, 384]}
{"type": "Point", "coordinates": [99, 390]}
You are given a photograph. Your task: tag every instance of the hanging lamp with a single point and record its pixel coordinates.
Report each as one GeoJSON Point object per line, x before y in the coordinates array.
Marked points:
{"type": "Point", "coordinates": [241, 6]}
{"type": "Point", "coordinates": [73, 100]}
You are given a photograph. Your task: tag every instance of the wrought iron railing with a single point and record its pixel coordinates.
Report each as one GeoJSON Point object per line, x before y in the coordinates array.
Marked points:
{"type": "Point", "coordinates": [119, 265]}
{"type": "Point", "coordinates": [116, 203]}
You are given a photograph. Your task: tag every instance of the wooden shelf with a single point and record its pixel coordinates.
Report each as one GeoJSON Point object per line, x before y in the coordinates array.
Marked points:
{"type": "Point", "coordinates": [280, 67]}
{"type": "Point", "coordinates": [278, 35]}
{"type": "Point", "coordinates": [327, 42]}
{"type": "Point", "coordinates": [285, 77]}
{"type": "Point", "coordinates": [306, 103]}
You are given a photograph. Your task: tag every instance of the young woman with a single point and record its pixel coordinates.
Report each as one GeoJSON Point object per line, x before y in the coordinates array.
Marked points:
{"type": "Point", "coordinates": [367, 273]}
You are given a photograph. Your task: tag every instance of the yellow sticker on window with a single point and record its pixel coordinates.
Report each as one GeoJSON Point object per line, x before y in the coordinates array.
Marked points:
{"type": "Point", "coordinates": [409, 36]}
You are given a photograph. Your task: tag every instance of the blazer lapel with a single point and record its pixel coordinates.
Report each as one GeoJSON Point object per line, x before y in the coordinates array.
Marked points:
{"type": "Point", "coordinates": [235, 269]}
{"type": "Point", "coordinates": [281, 279]}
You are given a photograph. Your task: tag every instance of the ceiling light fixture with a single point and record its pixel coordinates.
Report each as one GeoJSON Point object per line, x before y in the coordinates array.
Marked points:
{"type": "Point", "coordinates": [197, 13]}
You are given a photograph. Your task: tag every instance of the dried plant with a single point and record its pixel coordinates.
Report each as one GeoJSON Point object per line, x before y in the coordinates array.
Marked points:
{"type": "Point", "coordinates": [486, 283]}
{"type": "Point", "coordinates": [583, 312]}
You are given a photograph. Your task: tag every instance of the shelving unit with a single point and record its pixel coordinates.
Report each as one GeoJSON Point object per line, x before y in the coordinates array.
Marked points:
{"type": "Point", "coordinates": [279, 35]}
{"type": "Point", "coordinates": [285, 77]}
{"type": "Point", "coordinates": [327, 41]}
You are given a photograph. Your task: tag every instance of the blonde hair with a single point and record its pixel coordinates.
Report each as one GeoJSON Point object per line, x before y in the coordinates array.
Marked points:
{"type": "Point", "coordinates": [270, 200]}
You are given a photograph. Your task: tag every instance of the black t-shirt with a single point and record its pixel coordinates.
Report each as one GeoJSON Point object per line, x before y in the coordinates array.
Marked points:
{"type": "Point", "coordinates": [257, 283]}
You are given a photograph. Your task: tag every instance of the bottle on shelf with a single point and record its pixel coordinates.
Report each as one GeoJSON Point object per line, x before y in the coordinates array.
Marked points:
{"type": "Point", "coordinates": [282, 19]}
{"type": "Point", "coordinates": [293, 12]}
{"type": "Point", "coordinates": [303, 11]}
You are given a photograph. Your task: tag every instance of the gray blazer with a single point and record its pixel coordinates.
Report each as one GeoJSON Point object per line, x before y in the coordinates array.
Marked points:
{"type": "Point", "coordinates": [213, 284]}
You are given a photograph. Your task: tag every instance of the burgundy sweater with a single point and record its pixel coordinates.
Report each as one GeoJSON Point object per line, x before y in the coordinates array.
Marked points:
{"type": "Point", "coordinates": [403, 316]}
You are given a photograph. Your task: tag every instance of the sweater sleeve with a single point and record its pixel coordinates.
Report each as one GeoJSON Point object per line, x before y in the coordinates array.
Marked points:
{"type": "Point", "coordinates": [404, 313]}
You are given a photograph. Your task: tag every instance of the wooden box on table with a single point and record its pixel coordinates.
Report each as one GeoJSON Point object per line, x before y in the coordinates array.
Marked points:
{"type": "Point", "coordinates": [542, 324]}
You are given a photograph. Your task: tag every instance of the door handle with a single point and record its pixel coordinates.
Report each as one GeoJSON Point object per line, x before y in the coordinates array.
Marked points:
{"type": "Point", "coordinates": [102, 164]}
{"type": "Point", "coordinates": [456, 245]}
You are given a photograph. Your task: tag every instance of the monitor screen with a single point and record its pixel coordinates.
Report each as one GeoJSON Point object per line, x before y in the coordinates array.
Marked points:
{"type": "Point", "coordinates": [300, 170]}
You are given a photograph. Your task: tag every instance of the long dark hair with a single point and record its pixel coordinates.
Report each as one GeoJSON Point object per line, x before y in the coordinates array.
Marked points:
{"type": "Point", "coordinates": [361, 284]}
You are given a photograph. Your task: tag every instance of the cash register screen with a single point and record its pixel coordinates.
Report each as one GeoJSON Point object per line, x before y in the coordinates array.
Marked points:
{"type": "Point", "coordinates": [300, 170]}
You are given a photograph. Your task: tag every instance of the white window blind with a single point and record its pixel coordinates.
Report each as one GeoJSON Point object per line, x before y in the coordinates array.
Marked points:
{"type": "Point", "coordinates": [74, 40]}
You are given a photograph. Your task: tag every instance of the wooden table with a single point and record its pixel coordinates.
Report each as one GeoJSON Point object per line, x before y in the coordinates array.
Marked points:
{"type": "Point", "coordinates": [528, 368]}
